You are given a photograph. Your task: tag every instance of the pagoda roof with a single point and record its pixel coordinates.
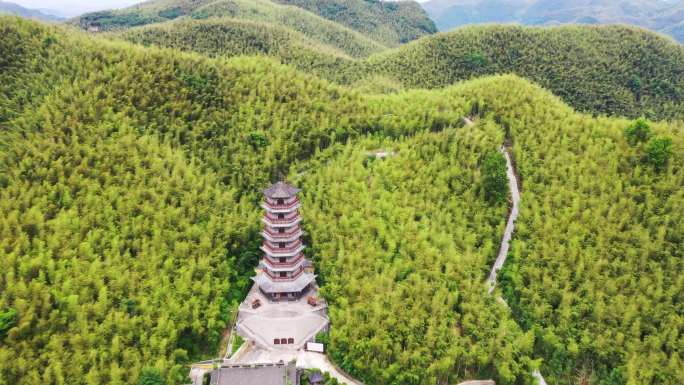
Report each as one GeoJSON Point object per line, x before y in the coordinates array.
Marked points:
{"type": "Point", "coordinates": [281, 190]}
{"type": "Point", "coordinates": [294, 286]}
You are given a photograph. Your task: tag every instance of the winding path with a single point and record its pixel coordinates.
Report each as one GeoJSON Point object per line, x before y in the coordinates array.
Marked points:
{"type": "Point", "coordinates": [508, 233]}
{"type": "Point", "coordinates": [510, 225]}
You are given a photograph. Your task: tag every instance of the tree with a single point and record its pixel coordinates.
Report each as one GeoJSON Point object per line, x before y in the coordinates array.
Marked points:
{"type": "Point", "coordinates": [8, 319]}
{"type": "Point", "coordinates": [494, 179]}
{"type": "Point", "coordinates": [659, 151]}
{"type": "Point", "coordinates": [151, 376]}
{"type": "Point", "coordinates": [638, 132]}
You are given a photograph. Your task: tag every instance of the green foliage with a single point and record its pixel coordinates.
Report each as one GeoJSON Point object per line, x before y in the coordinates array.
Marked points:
{"type": "Point", "coordinates": [8, 319]}
{"type": "Point", "coordinates": [258, 140]}
{"type": "Point", "coordinates": [151, 376]}
{"type": "Point", "coordinates": [129, 219]}
{"type": "Point", "coordinates": [638, 132]}
{"type": "Point", "coordinates": [494, 178]}
{"type": "Point", "coordinates": [659, 151]}
{"type": "Point", "coordinates": [231, 37]}
{"type": "Point", "coordinates": [600, 69]}
{"type": "Point", "coordinates": [237, 342]}
{"type": "Point", "coordinates": [406, 261]}
{"type": "Point", "coordinates": [386, 22]}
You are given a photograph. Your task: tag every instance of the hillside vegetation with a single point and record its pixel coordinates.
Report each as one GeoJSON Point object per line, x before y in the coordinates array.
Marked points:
{"type": "Point", "coordinates": [231, 37]}
{"type": "Point", "coordinates": [389, 22]}
{"type": "Point", "coordinates": [357, 26]}
{"type": "Point", "coordinates": [129, 224]}
{"type": "Point", "coordinates": [402, 264]}
{"type": "Point", "coordinates": [601, 70]}
{"type": "Point", "coordinates": [615, 70]}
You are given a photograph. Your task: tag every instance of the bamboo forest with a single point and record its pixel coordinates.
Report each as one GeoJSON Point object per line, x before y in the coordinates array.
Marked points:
{"type": "Point", "coordinates": [137, 147]}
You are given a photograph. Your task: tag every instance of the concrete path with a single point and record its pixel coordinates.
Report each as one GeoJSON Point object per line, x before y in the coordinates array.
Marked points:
{"type": "Point", "coordinates": [508, 233]}
{"type": "Point", "coordinates": [510, 225]}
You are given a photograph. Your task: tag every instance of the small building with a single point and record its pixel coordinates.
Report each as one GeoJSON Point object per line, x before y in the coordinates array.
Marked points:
{"type": "Point", "coordinates": [255, 374]}
{"type": "Point", "coordinates": [284, 273]}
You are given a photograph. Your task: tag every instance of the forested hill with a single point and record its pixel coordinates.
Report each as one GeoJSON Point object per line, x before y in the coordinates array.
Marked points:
{"type": "Point", "coordinates": [390, 22]}
{"type": "Point", "coordinates": [129, 181]}
{"type": "Point", "coordinates": [599, 69]}
{"type": "Point", "coordinates": [620, 70]}
{"type": "Point", "coordinates": [375, 23]}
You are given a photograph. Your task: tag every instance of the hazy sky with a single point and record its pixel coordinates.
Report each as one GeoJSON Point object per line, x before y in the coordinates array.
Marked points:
{"type": "Point", "coordinates": [75, 7]}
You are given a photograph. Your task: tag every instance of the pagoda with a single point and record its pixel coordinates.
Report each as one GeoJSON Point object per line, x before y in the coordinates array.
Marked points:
{"type": "Point", "coordinates": [284, 273]}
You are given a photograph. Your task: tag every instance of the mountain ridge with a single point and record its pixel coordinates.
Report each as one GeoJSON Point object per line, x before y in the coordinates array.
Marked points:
{"type": "Point", "coordinates": [18, 10]}
{"type": "Point", "coordinates": [657, 15]}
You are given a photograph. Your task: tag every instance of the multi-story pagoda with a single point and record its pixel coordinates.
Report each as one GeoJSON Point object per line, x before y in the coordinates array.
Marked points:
{"type": "Point", "coordinates": [284, 272]}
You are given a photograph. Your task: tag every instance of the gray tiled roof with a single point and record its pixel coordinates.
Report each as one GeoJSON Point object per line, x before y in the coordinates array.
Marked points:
{"type": "Point", "coordinates": [271, 286]}
{"type": "Point", "coordinates": [281, 190]}
{"type": "Point", "coordinates": [258, 374]}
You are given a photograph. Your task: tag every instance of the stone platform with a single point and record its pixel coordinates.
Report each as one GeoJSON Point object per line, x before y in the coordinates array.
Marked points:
{"type": "Point", "coordinates": [294, 322]}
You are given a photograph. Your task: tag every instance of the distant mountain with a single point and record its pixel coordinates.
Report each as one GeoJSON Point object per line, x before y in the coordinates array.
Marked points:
{"type": "Point", "coordinates": [18, 10]}
{"type": "Point", "coordinates": [666, 16]}
{"type": "Point", "coordinates": [385, 23]}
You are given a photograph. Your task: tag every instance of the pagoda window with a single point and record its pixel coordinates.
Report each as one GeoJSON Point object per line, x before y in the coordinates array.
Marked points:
{"type": "Point", "coordinates": [281, 245]}
{"type": "Point", "coordinates": [283, 274]}
{"type": "Point", "coordinates": [281, 229]}
{"type": "Point", "coordinates": [282, 259]}
{"type": "Point", "coordinates": [276, 341]}
{"type": "Point", "coordinates": [281, 216]}
{"type": "Point", "coordinates": [281, 201]}
{"type": "Point", "coordinates": [290, 340]}
{"type": "Point", "coordinates": [283, 341]}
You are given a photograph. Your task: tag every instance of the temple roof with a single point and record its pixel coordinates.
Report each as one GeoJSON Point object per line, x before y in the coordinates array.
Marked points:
{"type": "Point", "coordinates": [261, 374]}
{"type": "Point", "coordinates": [295, 286]}
{"type": "Point", "coordinates": [281, 190]}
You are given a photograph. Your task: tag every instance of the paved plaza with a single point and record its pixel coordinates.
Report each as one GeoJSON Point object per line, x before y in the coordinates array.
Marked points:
{"type": "Point", "coordinates": [292, 322]}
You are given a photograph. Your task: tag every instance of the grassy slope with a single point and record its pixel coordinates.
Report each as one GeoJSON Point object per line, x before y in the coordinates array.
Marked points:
{"type": "Point", "coordinates": [209, 111]}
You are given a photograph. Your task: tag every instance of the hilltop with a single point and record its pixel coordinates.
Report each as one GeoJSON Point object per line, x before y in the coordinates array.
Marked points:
{"type": "Point", "coordinates": [129, 197]}
{"type": "Point", "coordinates": [599, 69]}
{"type": "Point", "coordinates": [376, 23]}
{"type": "Point", "coordinates": [389, 22]}
{"type": "Point", "coordinates": [658, 15]}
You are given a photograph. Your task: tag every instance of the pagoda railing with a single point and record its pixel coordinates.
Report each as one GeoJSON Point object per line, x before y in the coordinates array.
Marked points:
{"type": "Point", "coordinates": [270, 219]}
{"type": "Point", "coordinates": [284, 264]}
{"type": "Point", "coordinates": [284, 206]}
{"type": "Point", "coordinates": [294, 276]}
{"type": "Point", "coordinates": [285, 234]}
{"type": "Point", "coordinates": [293, 247]}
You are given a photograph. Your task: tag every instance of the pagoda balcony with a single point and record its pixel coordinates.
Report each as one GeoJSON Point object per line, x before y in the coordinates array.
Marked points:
{"type": "Point", "coordinates": [281, 222]}
{"type": "Point", "coordinates": [276, 249]}
{"type": "Point", "coordinates": [294, 275]}
{"type": "Point", "coordinates": [281, 208]}
{"type": "Point", "coordinates": [284, 252]}
{"type": "Point", "coordinates": [288, 236]}
{"type": "Point", "coordinates": [284, 265]}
